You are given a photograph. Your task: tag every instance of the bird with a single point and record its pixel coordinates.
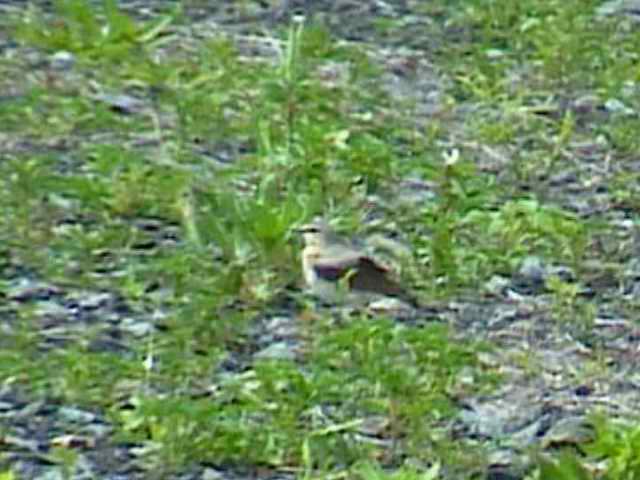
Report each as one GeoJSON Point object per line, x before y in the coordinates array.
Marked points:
{"type": "Point", "coordinates": [335, 268]}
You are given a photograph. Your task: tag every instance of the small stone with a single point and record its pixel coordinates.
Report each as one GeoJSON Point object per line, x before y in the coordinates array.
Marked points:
{"type": "Point", "coordinates": [73, 441]}
{"type": "Point", "coordinates": [614, 105]}
{"type": "Point", "coordinates": [494, 53]}
{"type": "Point", "coordinates": [496, 285]}
{"type": "Point", "coordinates": [277, 351]}
{"type": "Point", "coordinates": [211, 474]}
{"type": "Point", "coordinates": [135, 327]}
{"type": "Point", "coordinates": [121, 103]}
{"type": "Point", "coordinates": [51, 309]}
{"type": "Point", "coordinates": [91, 301]}
{"type": "Point", "coordinates": [281, 326]}
{"type": "Point", "coordinates": [62, 60]}
{"type": "Point", "coordinates": [533, 269]}
{"type": "Point", "coordinates": [76, 415]}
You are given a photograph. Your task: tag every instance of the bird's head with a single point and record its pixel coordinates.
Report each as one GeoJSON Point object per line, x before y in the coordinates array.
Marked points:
{"type": "Point", "coordinates": [316, 233]}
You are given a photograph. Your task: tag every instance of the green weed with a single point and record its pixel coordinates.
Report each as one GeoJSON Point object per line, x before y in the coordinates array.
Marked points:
{"type": "Point", "coordinates": [228, 151]}
{"type": "Point", "coordinates": [618, 443]}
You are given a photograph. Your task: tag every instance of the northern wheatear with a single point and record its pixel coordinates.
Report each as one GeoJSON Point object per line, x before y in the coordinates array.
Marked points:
{"type": "Point", "coordinates": [333, 267]}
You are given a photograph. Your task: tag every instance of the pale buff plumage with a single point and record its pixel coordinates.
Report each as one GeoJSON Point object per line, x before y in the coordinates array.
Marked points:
{"type": "Point", "coordinates": [334, 268]}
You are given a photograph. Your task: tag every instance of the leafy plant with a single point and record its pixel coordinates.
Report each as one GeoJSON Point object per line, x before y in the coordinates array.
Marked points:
{"type": "Point", "coordinates": [181, 211]}
{"type": "Point", "coordinates": [618, 443]}
{"type": "Point", "coordinates": [77, 27]}
{"type": "Point", "coordinates": [566, 467]}
{"type": "Point", "coordinates": [371, 471]}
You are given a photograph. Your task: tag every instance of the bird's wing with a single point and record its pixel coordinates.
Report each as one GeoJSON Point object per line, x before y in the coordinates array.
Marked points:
{"type": "Point", "coordinates": [372, 277]}
{"type": "Point", "coordinates": [364, 273]}
{"type": "Point", "coordinates": [335, 266]}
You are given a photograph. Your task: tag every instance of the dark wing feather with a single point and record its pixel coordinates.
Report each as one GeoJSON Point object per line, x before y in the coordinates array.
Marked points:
{"type": "Point", "coordinates": [372, 277]}
{"type": "Point", "coordinates": [364, 273]}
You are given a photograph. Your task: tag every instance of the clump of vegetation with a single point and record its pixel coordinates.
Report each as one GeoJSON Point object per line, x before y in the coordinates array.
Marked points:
{"type": "Point", "coordinates": [164, 171]}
